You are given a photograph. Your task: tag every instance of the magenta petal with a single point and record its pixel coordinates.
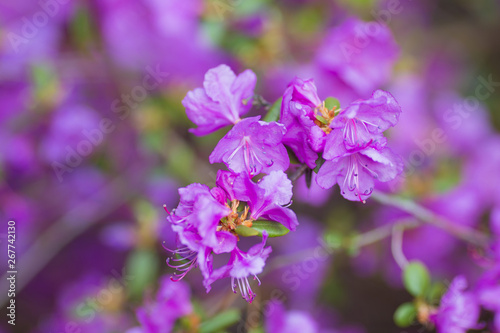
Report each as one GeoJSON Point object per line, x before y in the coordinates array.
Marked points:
{"type": "Point", "coordinates": [303, 136]}
{"type": "Point", "coordinates": [222, 100]}
{"type": "Point", "coordinates": [355, 172]}
{"type": "Point", "coordinates": [226, 242]}
{"type": "Point", "coordinates": [252, 146]}
{"type": "Point", "coordinates": [267, 198]}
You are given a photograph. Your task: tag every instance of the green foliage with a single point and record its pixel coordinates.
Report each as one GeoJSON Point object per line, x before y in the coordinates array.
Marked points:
{"type": "Point", "coordinates": [274, 112]}
{"type": "Point", "coordinates": [319, 163]}
{"type": "Point", "coordinates": [245, 231]}
{"type": "Point", "coordinates": [292, 156]}
{"type": "Point", "coordinates": [220, 321]}
{"type": "Point", "coordinates": [82, 28]}
{"type": "Point", "coordinates": [416, 278]}
{"type": "Point", "coordinates": [331, 103]}
{"type": "Point", "coordinates": [142, 267]}
{"type": "Point", "coordinates": [405, 314]}
{"type": "Point", "coordinates": [274, 229]}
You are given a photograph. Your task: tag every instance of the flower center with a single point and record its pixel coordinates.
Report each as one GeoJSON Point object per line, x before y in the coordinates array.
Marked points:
{"type": "Point", "coordinates": [324, 117]}
{"type": "Point", "coordinates": [238, 216]}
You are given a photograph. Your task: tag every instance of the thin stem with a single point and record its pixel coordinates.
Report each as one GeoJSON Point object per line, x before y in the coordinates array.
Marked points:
{"type": "Point", "coordinates": [367, 238]}
{"type": "Point", "coordinates": [259, 101]}
{"type": "Point", "coordinates": [382, 232]}
{"type": "Point", "coordinates": [397, 247]}
{"type": "Point", "coordinates": [467, 234]}
{"type": "Point", "coordinates": [299, 172]}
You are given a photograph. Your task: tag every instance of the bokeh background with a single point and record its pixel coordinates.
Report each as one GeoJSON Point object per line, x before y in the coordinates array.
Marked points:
{"type": "Point", "coordinates": [94, 140]}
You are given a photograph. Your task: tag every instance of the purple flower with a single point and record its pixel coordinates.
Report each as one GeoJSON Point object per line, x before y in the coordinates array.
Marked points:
{"type": "Point", "coordinates": [72, 302]}
{"type": "Point", "coordinates": [206, 222]}
{"type": "Point", "coordinates": [138, 34]}
{"type": "Point", "coordinates": [200, 212]}
{"type": "Point", "coordinates": [242, 265]}
{"type": "Point", "coordinates": [488, 292]}
{"type": "Point", "coordinates": [222, 100]}
{"type": "Point", "coordinates": [172, 302]}
{"type": "Point", "coordinates": [299, 108]}
{"type": "Point", "coordinates": [355, 172]}
{"type": "Point", "coordinates": [268, 197]}
{"type": "Point", "coordinates": [195, 221]}
{"type": "Point", "coordinates": [280, 321]}
{"type": "Point", "coordinates": [362, 123]}
{"type": "Point", "coordinates": [225, 180]}
{"type": "Point", "coordinates": [458, 311]}
{"type": "Point", "coordinates": [361, 54]}
{"type": "Point", "coordinates": [252, 146]}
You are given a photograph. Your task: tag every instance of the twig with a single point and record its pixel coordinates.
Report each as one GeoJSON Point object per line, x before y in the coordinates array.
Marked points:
{"type": "Point", "coordinates": [468, 234]}
{"type": "Point", "coordinates": [359, 241]}
{"type": "Point", "coordinates": [259, 101]}
{"type": "Point", "coordinates": [382, 232]}
{"type": "Point", "coordinates": [299, 172]}
{"type": "Point", "coordinates": [397, 247]}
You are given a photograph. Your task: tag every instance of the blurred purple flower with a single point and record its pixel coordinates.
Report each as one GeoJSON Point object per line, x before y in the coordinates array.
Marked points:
{"type": "Point", "coordinates": [458, 311]}
{"type": "Point", "coordinates": [222, 100]}
{"type": "Point", "coordinates": [172, 302]}
{"type": "Point", "coordinates": [361, 54]}
{"type": "Point", "coordinates": [15, 96]}
{"type": "Point", "coordinates": [487, 291]}
{"type": "Point", "coordinates": [465, 127]}
{"type": "Point", "coordinates": [79, 307]}
{"type": "Point", "coordinates": [484, 160]}
{"type": "Point", "coordinates": [280, 321]}
{"type": "Point", "coordinates": [313, 195]}
{"type": "Point", "coordinates": [70, 126]}
{"type": "Point", "coordinates": [167, 33]}
{"type": "Point", "coordinates": [302, 278]}
{"type": "Point", "coordinates": [253, 146]}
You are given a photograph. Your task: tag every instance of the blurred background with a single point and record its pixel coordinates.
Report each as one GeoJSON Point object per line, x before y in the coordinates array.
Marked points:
{"type": "Point", "coordinates": [94, 140]}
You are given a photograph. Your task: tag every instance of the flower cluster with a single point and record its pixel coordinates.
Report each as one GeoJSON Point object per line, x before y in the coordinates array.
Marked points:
{"type": "Point", "coordinates": [209, 221]}
{"type": "Point", "coordinates": [349, 140]}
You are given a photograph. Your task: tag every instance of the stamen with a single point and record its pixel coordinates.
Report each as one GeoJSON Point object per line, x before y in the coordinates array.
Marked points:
{"type": "Point", "coordinates": [244, 287]}
{"type": "Point", "coordinates": [178, 257]}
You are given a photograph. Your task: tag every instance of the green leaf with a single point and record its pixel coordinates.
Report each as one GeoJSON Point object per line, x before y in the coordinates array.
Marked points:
{"type": "Point", "coordinates": [416, 278]}
{"type": "Point", "coordinates": [142, 266]}
{"type": "Point", "coordinates": [319, 163]}
{"type": "Point", "coordinates": [435, 292]}
{"type": "Point", "coordinates": [220, 321]}
{"type": "Point", "coordinates": [293, 158]}
{"type": "Point", "coordinates": [331, 103]}
{"type": "Point", "coordinates": [274, 229]}
{"type": "Point", "coordinates": [405, 314]}
{"type": "Point", "coordinates": [274, 112]}
{"type": "Point", "coordinates": [245, 231]}
{"type": "Point", "coordinates": [82, 28]}
{"type": "Point", "coordinates": [308, 174]}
